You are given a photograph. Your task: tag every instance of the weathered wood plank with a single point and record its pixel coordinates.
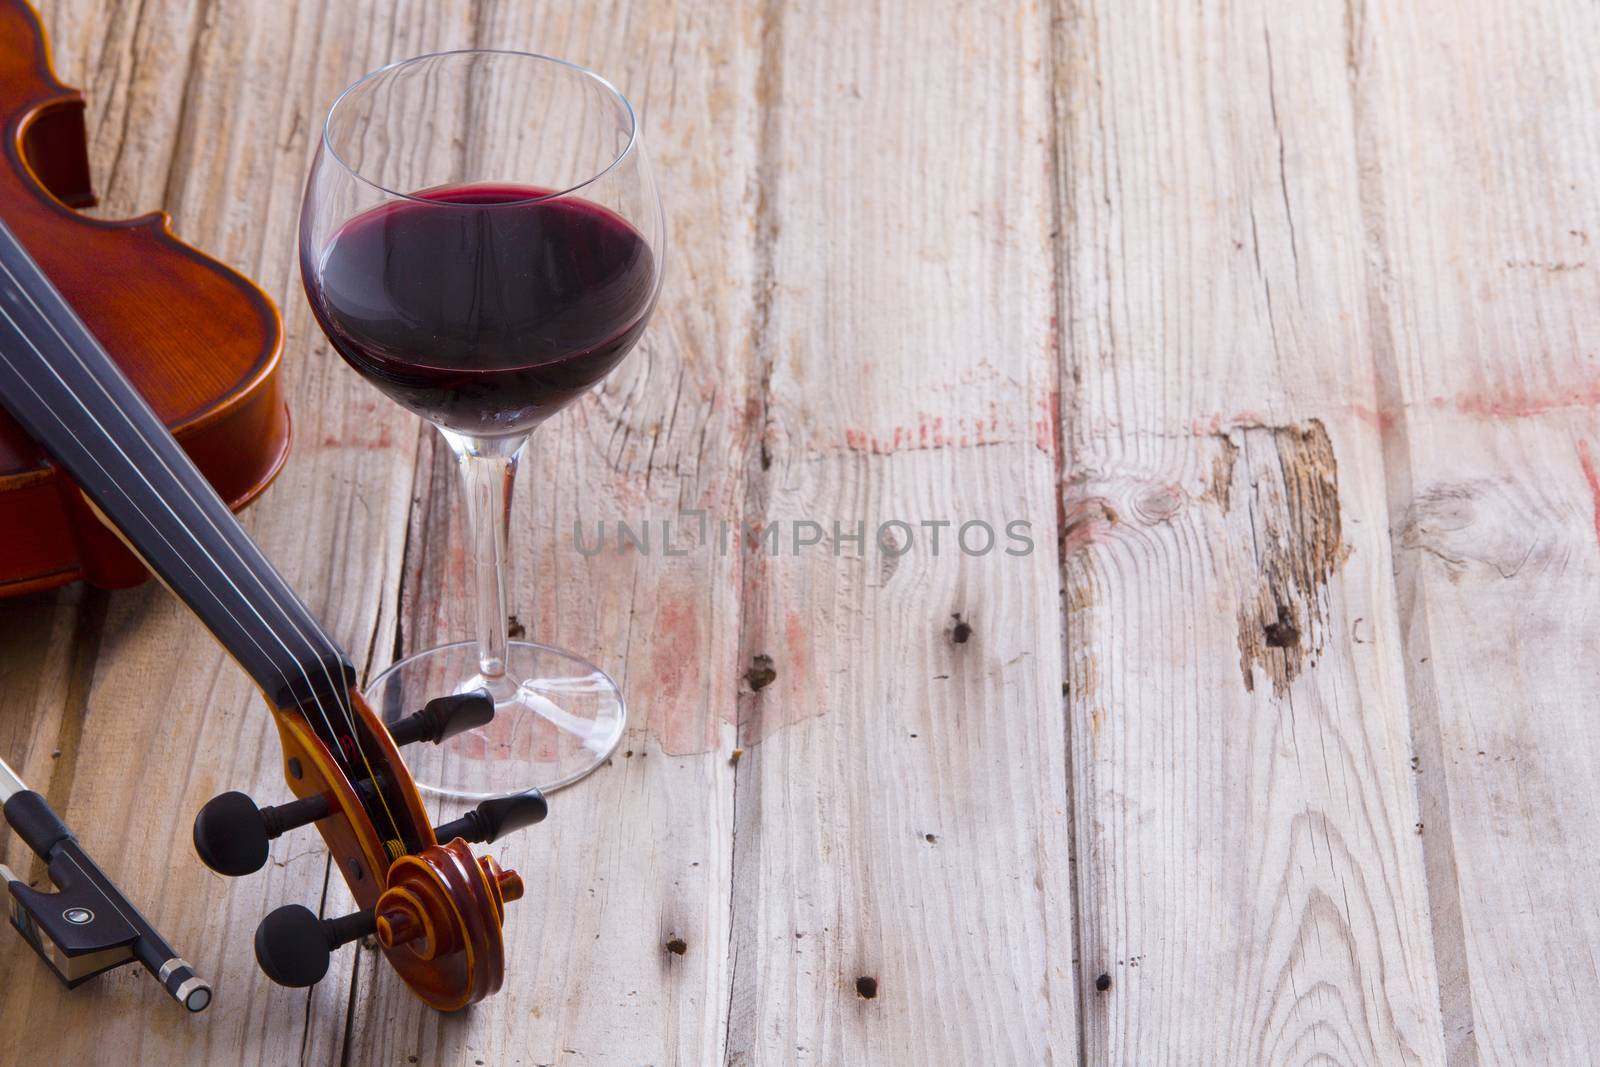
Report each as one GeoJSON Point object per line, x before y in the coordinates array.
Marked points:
{"type": "Point", "coordinates": [167, 720]}
{"type": "Point", "coordinates": [902, 878]}
{"type": "Point", "coordinates": [1325, 280]}
{"type": "Point", "coordinates": [1251, 882]}
{"type": "Point", "coordinates": [635, 858]}
{"type": "Point", "coordinates": [1480, 163]}
{"type": "Point", "coordinates": [45, 665]}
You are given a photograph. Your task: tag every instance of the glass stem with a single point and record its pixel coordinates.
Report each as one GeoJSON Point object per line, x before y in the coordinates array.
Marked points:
{"type": "Point", "coordinates": [488, 468]}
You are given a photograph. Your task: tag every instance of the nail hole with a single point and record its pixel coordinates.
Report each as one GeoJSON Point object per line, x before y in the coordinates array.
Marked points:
{"type": "Point", "coordinates": [760, 675]}
{"type": "Point", "coordinates": [866, 987]}
{"type": "Point", "coordinates": [961, 632]}
{"type": "Point", "coordinates": [1282, 634]}
{"type": "Point", "coordinates": [1103, 983]}
{"type": "Point", "coordinates": [677, 946]}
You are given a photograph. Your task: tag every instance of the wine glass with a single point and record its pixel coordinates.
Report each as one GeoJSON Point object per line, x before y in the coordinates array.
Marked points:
{"type": "Point", "coordinates": [481, 238]}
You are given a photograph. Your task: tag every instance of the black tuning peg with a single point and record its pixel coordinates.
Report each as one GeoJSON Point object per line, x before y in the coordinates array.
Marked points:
{"type": "Point", "coordinates": [444, 717]}
{"type": "Point", "coordinates": [492, 818]}
{"type": "Point", "coordinates": [293, 945]}
{"type": "Point", "coordinates": [231, 833]}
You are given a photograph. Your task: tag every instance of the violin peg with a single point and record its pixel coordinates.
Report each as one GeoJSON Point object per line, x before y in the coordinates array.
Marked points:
{"type": "Point", "coordinates": [445, 717]}
{"type": "Point", "coordinates": [493, 818]}
{"type": "Point", "coordinates": [231, 833]}
{"type": "Point", "coordinates": [294, 947]}
{"type": "Point", "coordinates": [508, 883]}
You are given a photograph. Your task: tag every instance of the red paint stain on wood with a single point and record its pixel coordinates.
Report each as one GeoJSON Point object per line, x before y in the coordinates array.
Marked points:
{"type": "Point", "coordinates": [1215, 424]}
{"type": "Point", "coordinates": [753, 412]}
{"type": "Point", "coordinates": [928, 433]}
{"type": "Point", "coordinates": [1085, 522]}
{"type": "Point", "coordinates": [965, 431]}
{"type": "Point", "coordinates": [1520, 405]}
{"type": "Point", "coordinates": [1586, 461]}
{"type": "Point", "coordinates": [382, 440]}
{"type": "Point", "coordinates": [1478, 404]}
{"type": "Point", "coordinates": [674, 708]}
{"type": "Point", "coordinates": [1381, 420]}
{"type": "Point", "coordinates": [797, 654]}
{"type": "Point", "coordinates": [1048, 424]}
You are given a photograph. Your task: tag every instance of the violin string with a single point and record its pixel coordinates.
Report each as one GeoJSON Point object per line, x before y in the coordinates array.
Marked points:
{"type": "Point", "coordinates": [311, 687]}
{"type": "Point", "coordinates": [134, 504]}
{"type": "Point", "coordinates": [340, 693]}
{"type": "Point", "coordinates": [338, 690]}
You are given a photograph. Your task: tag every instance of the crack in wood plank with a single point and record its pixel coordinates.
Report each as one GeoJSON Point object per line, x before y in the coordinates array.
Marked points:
{"type": "Point", "coordinates": [1392, 418]}
{"type": "Point", "coordinates": [1056, 74]}
{"type": "Point", "coordinates": [767, 184]}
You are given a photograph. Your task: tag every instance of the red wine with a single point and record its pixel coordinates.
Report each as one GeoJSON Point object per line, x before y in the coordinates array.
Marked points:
{"type": "Point", "coordinates": [483, 307]}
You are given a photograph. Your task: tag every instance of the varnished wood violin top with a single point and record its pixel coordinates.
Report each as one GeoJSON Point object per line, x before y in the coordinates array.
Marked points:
{"type": "Point", "coordinates": [199, 341]}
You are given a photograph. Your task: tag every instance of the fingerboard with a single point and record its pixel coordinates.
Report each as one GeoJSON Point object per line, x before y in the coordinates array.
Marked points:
{"type": "Point", "coordinates": [60, 384]}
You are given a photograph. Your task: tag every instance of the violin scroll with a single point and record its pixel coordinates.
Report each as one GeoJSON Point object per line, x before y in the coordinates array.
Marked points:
{"type": "Point", "coordinates": [436, 911]}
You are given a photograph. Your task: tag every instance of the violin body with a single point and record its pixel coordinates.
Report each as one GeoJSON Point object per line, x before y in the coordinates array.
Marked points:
{"type": "Point", "coordinates": [199, 341]}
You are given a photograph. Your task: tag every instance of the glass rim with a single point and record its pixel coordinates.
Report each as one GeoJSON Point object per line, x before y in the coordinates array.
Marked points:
{"type": "Point", "coordinates": [601, 80]}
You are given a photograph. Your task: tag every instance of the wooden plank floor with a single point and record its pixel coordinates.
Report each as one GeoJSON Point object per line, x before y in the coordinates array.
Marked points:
{"type": "Point", "coordinates": [1271, 739]}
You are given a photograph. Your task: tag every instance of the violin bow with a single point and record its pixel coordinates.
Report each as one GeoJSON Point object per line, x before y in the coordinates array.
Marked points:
{"type": "Point", "coordinates": [86, 927]}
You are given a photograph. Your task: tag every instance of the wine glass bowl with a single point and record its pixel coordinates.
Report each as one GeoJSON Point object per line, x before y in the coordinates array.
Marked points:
{"type": "Point", "coordinates": [481, 238]}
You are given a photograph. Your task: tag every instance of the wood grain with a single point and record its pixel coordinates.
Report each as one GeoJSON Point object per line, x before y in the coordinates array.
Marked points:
{"type": "Point", "coordinates": [901, 863]}
{"type": "Point", "coordinates": [1270, 321]}
{"type": "Point", "coordinates": [1251, 880]}
{"type": "Point", "coordinates": [1478, 197]}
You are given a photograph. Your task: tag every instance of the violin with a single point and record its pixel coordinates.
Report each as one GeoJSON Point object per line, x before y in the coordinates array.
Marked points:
{"type": "Point", "coordinates": [199, 341]}
{"type": "Point", "coordinates": [435, 908]}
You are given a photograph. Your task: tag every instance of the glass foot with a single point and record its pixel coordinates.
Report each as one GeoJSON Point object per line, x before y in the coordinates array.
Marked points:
{"type": "Point", "coordinates": [557, 717]}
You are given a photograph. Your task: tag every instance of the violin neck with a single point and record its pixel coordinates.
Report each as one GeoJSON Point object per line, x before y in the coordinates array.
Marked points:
{"type": "Point", "coordinates": [60, 384]}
